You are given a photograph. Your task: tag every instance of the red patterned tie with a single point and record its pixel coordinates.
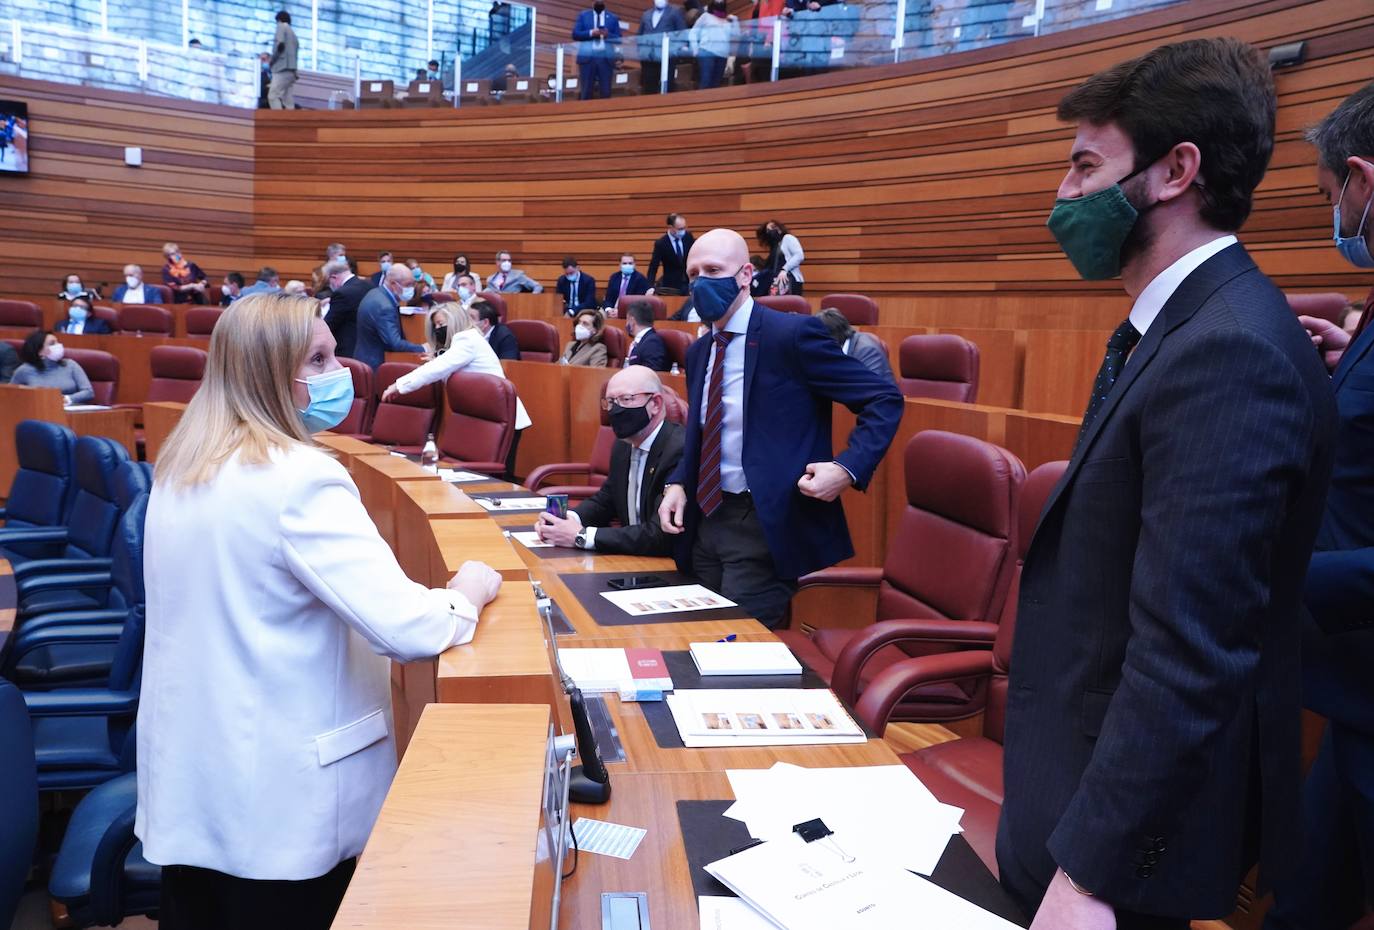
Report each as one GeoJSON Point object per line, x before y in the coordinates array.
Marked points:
{"type": "Point", "coordinates": [709, 494]}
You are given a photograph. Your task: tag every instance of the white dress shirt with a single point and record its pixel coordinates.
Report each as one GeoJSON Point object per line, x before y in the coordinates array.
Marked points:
{"type": "Point", "coordinates": [1157, 293]}
{"type": "Point", "coordinates": [732, 479]}
{"type": "Point", "coordinates": [639, 458]}
{"type": "Point", "coordinates": [134, 295]}
{"type": "Point", "coordinates": [74, 328]}
{"type": "Point", "coordinates": [264, 724]}
{"type": "Point", "coordinates": [467, 351]}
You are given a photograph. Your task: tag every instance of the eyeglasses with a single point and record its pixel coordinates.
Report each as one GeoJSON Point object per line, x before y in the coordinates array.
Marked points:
{"type": "Point", "coordinates": [625, 400]}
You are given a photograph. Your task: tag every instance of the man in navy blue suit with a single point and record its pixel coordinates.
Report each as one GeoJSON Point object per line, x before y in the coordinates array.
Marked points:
{"type": "Point", "coordinates": [597, 32]}
{"type": "Point", "coordinates": [379, 319]}
{"type": "Point", "coordinates": [1336, 866]}
{"type": "Point", "coordinates": [577, 287]}
{"type": "Point", "coordinates": [646, 345]}
{"type": "Point", "coordinates": [755, 499]}
{"type": "Point", "coordinates": [1151, 748]}
{"type": "Point", "coordinates": [625, 283]}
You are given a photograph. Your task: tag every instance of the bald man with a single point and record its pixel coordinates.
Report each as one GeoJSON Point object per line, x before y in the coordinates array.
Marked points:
{"type": "Point", "coordinates": [755, 499]}
{"type": "Point", "coordinates": [648, 451]}
{"type": "Point", "coordinates": [379, 318]}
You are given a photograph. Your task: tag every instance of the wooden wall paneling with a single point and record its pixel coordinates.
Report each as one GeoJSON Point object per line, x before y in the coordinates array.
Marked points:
{"type": "Point", "coordinates": [1037, 438]}
{"type": "Point", "coordinates": [543, 388]}
{"type": "Point", "coordinates": [159, 419]}
{"type": "Point", "coordinates": [1059, 369]}
{"type": "Point", "coordinates": [584, 409]}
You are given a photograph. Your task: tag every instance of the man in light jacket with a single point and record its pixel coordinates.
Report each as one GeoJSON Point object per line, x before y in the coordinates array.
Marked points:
{"type": "Point", "coordinates": [283, 65]}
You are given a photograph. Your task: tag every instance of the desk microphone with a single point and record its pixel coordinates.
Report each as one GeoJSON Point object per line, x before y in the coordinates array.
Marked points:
{"type": "Point", "coordinates": [588, 783]}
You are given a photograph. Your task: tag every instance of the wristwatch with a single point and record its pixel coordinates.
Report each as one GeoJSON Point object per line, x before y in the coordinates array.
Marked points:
{"type": "Point", "coordinates": [581, 540]}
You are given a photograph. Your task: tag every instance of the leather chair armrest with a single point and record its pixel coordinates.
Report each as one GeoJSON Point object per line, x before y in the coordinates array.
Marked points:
{"type": "Point", "coordinates": [36, 567]}
{"type": "Point", "coordinates": [72, 582]}
{"type": "Point", "coordinates": [893, 683]}
{"type": "Point", "coordinates": [81, 702]}
{"type": "Point", "coordinates": [86, 634]}
{"type": "Point", "coordinates": [90, 863]}
{"type": "Point", "coordinates": [845, 678]}
{"type": "Point", "coordinates": [60, 618]}
{"type": "Point", "coordinates": [843, 577]}
{"type": "Point", "coordinates": [33, 534]}
{"type": "Point", "coordinates": [3, 515]}
{"type": "Point", "coordinates": [540, 475]}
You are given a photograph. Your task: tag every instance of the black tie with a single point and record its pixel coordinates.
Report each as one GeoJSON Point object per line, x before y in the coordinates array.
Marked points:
{"type": "Point", "coordinates": [1118, 348]}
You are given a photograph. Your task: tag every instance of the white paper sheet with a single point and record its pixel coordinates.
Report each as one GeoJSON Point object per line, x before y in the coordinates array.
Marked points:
{"type": "Point", "coordinates": [720, 913]}
{"type": "Point", "coordinates": [761, 717]}
{"type": "Point", "coordinates": [459, 476]}
{"type": "Point", "coordinates": [670, 599]}
{"type": "Point", "coordinates": [607, 839]}
{"type": "Point", "coordinates": [744, 659]}
{"type": "Point", "coordinates": [529, 539]}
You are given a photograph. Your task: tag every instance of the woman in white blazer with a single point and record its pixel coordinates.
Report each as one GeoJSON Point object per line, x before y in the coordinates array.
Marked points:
{"type": "Point", "coordinates": [461, 347]}
{"type": "Point", "coordinates": [265, 740]}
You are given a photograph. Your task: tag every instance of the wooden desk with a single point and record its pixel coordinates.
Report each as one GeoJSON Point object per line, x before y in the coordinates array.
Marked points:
{"type": "Point", "coordinates": [506, 661]}
{"type": "Point", "coordinates": [347, 447]}
{"type": "Point", "coordinates": [479, 540]}
{"type": "Point", "coordinates": [378, 478]}
{"type": "Point", "coordinates": [115, 423]}
{"type": "Point", "coordinates": [159, 419]}
{"type": "Point", "coordinates": [19, 403]}
{"type": "Point", "coordinates": [458, 840]}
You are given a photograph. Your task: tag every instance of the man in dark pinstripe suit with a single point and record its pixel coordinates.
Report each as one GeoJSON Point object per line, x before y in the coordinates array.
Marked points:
{"type": "Point", "coordinates": [1152, 723]}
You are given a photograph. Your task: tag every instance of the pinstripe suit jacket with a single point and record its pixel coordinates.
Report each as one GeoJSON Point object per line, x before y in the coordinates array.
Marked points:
{"type": "Point", "coordinates": [1153, 712]}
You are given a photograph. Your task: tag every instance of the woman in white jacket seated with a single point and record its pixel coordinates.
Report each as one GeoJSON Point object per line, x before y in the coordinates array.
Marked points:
{"type": "Point", "coordinates": [459, 346]}
{"type": "Point", "coordinates": [265, 742]}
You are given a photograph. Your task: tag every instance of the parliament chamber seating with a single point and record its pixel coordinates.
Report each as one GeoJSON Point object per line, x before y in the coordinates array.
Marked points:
{"type": "Point", "coordinates": [497, 301]}
{"type": "Point", "coordinates": [1331, 307]}
{"type": "Point", "coordinates": [18, 800]}
{"type": "Point", "coordinates": [967, 772]}
{"type": "Point", "coordinates": [145, 319]}
{"type": "Point", "coordinates": [537, 339]}
{"type": "Point", "coordinates": [108, 313]}
{"type": "Point", "coordinates": [376, 94]}
{"type": "Point", "coordinates": [617, 345]}
{"type": "Point", "coordinates": [40, 494]}
{"type": "Point", "coordinates": [786, 303]}
{"type": "Point", "coordinates": [478, 92]}
{"type": "Point", "coordinates": [858, 309]}
{"type": "Point", "coordinates": [441, 297]}
{"type": "Point", "coordinates": [677, 343]}
{"type": "Point", "coordinates": [941, 366]}
{"type": "Point", "coordinates": [177, 372]}
{"type": "Point", "coordinates": [943, 583]}
{"type": "Point", "coordinates": [200, 321]}
{"type": "Point", "coordinates": [622, 305]}
{"type": "Point", "coordinates": [102, 369]}
{"type": "Point", "coordinates": [163, 291]}
{"type": "Point", "coordinates": [480, 425]}
{"type": "Point", "coordinates": [406, 420]}
{"type": "Point", "coordinates": [20, 313]}
{"type": "Point", "coordinates": [359, 417]}
{"type": "Point", "coordinates": [425, 94]}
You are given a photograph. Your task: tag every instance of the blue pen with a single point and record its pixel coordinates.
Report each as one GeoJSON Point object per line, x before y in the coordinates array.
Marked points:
{"type": "Point", "coordinates": [729, 639]}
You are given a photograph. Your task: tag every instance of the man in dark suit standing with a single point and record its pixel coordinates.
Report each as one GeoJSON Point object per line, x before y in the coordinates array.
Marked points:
{"type": "Point", "coordinates": [670, 252]}
{"type": "Point", "coordinates": [384, 263]}
{"type": "Point", "coordinates": [498, 334]}
{"type": "Point", "coordinates": [626, 282]}
{"type": "Point", "coordinates": [648, 451]}
{"type": "Point", "coordinates": [646, 345]}
{"type": "Point", "coordinates": [1336, 862]}
{"type": "Point", "coordinates": [597, 33]}
{"type": "Point", "coordinates": [1152, 727]}
{"type": "Point", "coordinates": [347, 291]}
{"type": "Point", "coordinates": [379, 318]}
{"type": "Point", "coordinates": [578, 289]}
{"type": "Point", "coordinates": [755, 500]}
{"type": "Point", "coordinates": [661, 17]}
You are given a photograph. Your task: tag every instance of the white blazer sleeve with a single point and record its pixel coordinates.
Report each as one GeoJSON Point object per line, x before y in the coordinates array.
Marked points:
{"type": "Point", "coordinates": [455, 358]}
{"type": "Point", "coordinates": [332, 547]}
{"type": "Point", "coordinates": [792, 253]}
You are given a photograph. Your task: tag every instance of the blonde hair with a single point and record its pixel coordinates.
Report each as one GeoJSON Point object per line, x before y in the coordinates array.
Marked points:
{"type": "Point", "coordinates": [244, 404]}
{"type": "Point", "coordinates": [457, 319]}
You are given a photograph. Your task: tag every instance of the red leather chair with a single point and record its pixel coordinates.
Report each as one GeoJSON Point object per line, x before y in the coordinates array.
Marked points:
{"type": "Point", "coordinates": [967, 772]}
{"type": "Point", "coordinates": [200, 321]}
{"type": "Point", "coordinates": [787, 303]}
{"type": "Point", "coordinates": [20, 313]}
{"type": "Point", "coordinates": [941, 366]}
{"type": "Point", "coordinates": [677, 343]}
{"type": "Point", "coordinates": [480, 426]}
{"type": "Point", "coordinates": [497, 301]}
{"type": "Point", "coordinates": [138, 319]}
{"type": "Point", "coordinates": [357, 422]}
{"type": "Point", "coordinates": [622, 304]}
{"type": "Point", "coordinates": [948, 568]}
{"type": "Point", "coordinates": [163, 291]}
{"type": "Point", "coordinates": [858, 309]}
{"type": "Point", "coordinates": [1330, 307]}
{"type": "Point", "coordinates": [537, 339]}
{"type": "Point", "coordinates": [406, 420]}
{"type": "Point", "coordinates": [102, 369]}
{"type": "Point", "coordinates": [177, 372]}
{"type": "Point", "coordinates": [617, 345]}
{"type": "Point", "coordinates": [442, 297]}
{"type": "Point", "coordinates": [599, 467]}
{"type": "Point", "coordinates": [107, 313]}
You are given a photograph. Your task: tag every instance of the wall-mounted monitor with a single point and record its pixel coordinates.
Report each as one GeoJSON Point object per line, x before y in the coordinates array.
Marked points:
{"type": "Point", "coordinates": [14, 137]}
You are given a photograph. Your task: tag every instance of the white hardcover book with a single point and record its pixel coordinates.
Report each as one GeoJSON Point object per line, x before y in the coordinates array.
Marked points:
{"type": "Point", "coordinates": [595, 670]}
{"type": "Point", "coordinates": [744, 659]}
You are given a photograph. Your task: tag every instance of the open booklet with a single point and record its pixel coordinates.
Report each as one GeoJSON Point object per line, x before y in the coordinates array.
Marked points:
{"type": "Point", "coordinates": [762, 717]}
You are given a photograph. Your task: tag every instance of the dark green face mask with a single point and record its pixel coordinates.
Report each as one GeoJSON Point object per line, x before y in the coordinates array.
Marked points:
{"type": "Point", "coordinates": [1092, 229]}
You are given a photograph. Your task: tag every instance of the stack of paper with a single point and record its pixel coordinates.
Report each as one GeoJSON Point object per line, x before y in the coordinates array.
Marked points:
{"type": "Point", "coordinates": [879, 811]}
{"type": "Point", "coordinates": [498, 504]}
{"type": "Point", "coordinates": [596, 670]}
{"type": "Point", "coordinates": [667, 599]}
{"type": "Point", "coordinates": [459, 475]}
{"type": "Point", "coordinates": [762, 717]}
{"type": "Point", "coordinates": [744, 659]}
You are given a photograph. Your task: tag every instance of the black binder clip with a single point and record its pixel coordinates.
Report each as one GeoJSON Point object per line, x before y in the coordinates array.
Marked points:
{"type": "Point", "coordinates": [813, 830]}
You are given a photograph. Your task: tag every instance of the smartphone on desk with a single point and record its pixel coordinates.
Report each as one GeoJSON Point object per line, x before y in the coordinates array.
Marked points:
{"type": "Point", "coordinates": [634, 582]}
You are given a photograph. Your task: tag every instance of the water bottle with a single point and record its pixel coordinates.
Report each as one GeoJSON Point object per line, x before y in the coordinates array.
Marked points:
{"type": "Point", "coordinates": [429, 456]}
{"type": "Point", "coordinates": [675, 370]}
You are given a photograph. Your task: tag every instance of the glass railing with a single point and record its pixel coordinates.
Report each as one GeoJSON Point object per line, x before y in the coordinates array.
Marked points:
{"type": "Point", "coordinates": [376, 52]}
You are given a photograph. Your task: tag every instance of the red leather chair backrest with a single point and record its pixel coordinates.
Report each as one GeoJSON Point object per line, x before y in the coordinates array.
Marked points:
{"type": "Point", "coordinates": [954, 548]}
{"type": "Point", "coordinates": [942, 366]}
{"type": "Point", "coordinates": [617, 344]}
{"type": "Point", "coordinates": [102, 369]}
{"type": "Point", "coordinates": [163, 291]}
{"type": "Point", "coordinates": [145, 318]}
{"type": "Point", "coordinates": [15, 344]}
{"type": "Point", "coordinates": [1330, 307]}
{"type": "Point", "coordinates": [1034, 493]}
{"type": "Point", "coordinates": [787, 303]}
{"type": "Point", "coordinates": [599, 465]}
{"type": "Point", "coordinates": [537, 339]}
{"type": "Point", "coordinates": [406, 419]}
{"type": "Point", "coordinates": [677, 343]}
{"type": "Point", "coordinates": [497, 301]}
{"type": "Point", "coordinates": [356, 423]}
{"type": "Point", "coordinates": [177, 371]}
{"type": "Point", "coordinates": [107, 313]}
{"type": "Point", "coordinates": [677, 407]}
{"type": "Point", "coordinates": [20, 313]}
{"type": "Point", "coordinates": [480, 425]}
{"type": "Point", "coordinates": [200, 321]}
{"type": "Point", "coordinates": [858, 309]}
{"type": "Point", "coordinates": [622, 304]}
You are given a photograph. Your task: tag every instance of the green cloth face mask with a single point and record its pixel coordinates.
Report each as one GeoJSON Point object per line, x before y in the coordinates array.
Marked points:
{"type": "Point", "coordinates": [1092, 229]}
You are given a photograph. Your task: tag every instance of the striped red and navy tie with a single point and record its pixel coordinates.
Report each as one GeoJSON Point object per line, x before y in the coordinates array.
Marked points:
{"type": "Point", "coordinates": [709, 494]}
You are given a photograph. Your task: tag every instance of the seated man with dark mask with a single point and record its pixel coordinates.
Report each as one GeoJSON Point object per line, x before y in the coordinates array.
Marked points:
{"type": "Point", "coordinates": [647, 453]}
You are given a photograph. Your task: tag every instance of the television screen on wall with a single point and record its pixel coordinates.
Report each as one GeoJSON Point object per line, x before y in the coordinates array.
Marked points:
{"type": "Point", "coordinates": [14, 137]}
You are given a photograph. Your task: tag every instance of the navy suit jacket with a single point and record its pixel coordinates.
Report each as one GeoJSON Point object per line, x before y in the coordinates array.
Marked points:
{"type": "Point", "coordinates": [1155, 671]}
{"type": "Point", "coordinates": [503, 342]}
{"type": "Point", "coordinates": [650, 351]}
{"type": "Point", "coordinates": [95, 326]}
{"type": "Point", "coordinates": [150, 294]}
{"type": "Point", "coordinates": [379, 329]}
{"type": "Point", "coordinates": [343, 313]}
{"type": "Point", "coordinates": [793, 372]}
{"type": "Point", "coordinates": [586, 293]}
{"type": "Point", "coordinates": [586, 45]}
{"type": "Point", "coordinates": [638, 285]}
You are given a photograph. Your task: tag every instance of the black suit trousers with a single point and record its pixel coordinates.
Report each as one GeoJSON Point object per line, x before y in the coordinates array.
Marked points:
{"type": "Point", "coordinates": [730, 555]}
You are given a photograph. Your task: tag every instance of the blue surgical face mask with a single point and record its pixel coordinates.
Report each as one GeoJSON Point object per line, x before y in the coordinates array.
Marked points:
{"type": "Point", "coordinates": [77, 313]}
{"type": "Point", "coordinates": [331, 398]}
{"type": "Point", "coordinates": [1353, 249]}
{"type": "Point", "coordinates": [712, 297]}
{"type": "Point", "coordinates": [464, 293]}
{"type": "Point", "coordinates": [385, 266]}
{"type": "Point", "coordinates": [73, 289]}
{"type": "Point", "coordinates": [627, 268]}
{"type": "Point", "coordinates": [408, 294]}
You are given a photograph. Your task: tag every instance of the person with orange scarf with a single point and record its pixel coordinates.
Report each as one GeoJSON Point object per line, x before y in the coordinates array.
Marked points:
{"type": "Point", "coordinates": [188, 283]}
